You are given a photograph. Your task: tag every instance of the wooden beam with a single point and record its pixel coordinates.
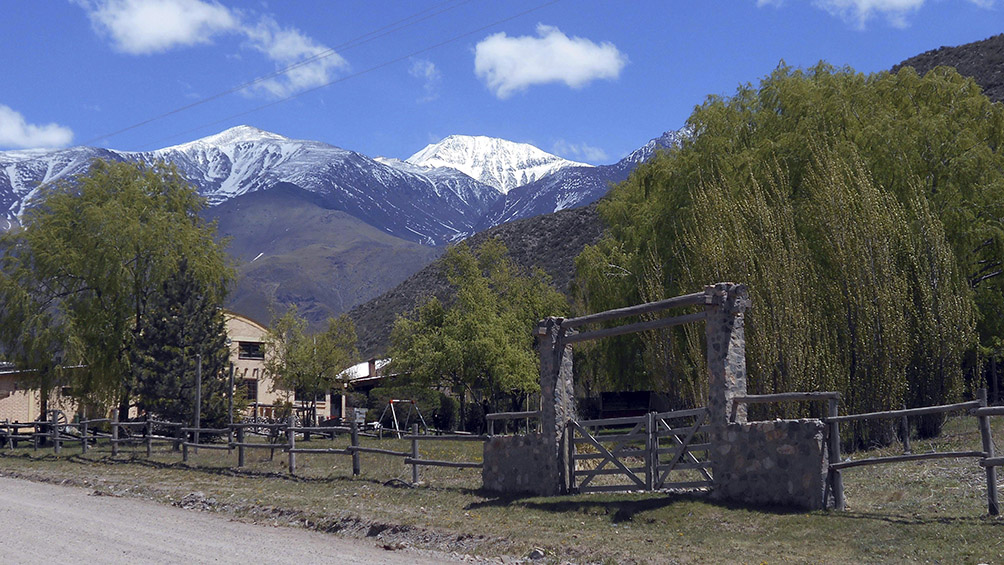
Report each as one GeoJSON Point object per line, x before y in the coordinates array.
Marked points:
{"type": "Point", "coordinates": [435, 463]}
{"type": "Point", "coordinates": [685, 300]}
{"type": "Point", "coordinates": [634, 328]}
{"type": "Point", "coordinates": [908, 412]}
{"type": "Point", "coordinates": [905, 458]}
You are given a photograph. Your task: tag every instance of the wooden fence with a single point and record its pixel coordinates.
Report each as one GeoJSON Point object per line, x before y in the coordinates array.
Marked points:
{"type": "Point", "coordinates": [835, 484]}
{"type": "Point", "coordinates": [187, 439]}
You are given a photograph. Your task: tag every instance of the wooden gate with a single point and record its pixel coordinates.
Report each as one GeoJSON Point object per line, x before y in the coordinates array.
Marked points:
{"type": "Point", "coordinates": [640, 452]}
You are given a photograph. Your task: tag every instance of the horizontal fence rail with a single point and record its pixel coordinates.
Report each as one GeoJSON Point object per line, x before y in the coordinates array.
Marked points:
{"type": "Point", "coordinates": [678, 301]}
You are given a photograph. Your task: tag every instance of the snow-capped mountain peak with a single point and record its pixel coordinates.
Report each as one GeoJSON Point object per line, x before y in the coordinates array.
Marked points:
{"type": "Point", "coordinates": [232, 136]}
{"type": "Point", "coordinates": [496, 162]}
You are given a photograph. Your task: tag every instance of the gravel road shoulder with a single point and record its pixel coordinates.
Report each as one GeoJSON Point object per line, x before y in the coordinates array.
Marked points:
{"type": "Point", "coordinates": [47, 523]}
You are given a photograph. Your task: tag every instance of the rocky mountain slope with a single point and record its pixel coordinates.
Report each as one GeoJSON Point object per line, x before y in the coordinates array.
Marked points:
{"type": "Point", "coordinates": [292, 249]}
{"type": "Point", "coordinates": [551, 242]}
{"type": "Point", "coordinates": [982, 60]}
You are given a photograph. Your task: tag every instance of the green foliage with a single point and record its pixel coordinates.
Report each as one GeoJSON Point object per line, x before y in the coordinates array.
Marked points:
{"type": "Point", "coordinates": [183, 322]}
{"type": "Point", "coordinates": [93, 253]}
{"type": "Point", "coordinates": [308, 364]}
{"type": "Point", "coordinates": [482, 345]}
{"type": "Point", "coordinates": [867, 232]}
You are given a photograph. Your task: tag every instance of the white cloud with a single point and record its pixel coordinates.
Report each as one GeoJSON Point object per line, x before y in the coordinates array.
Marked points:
{"type": "Point", "coordinates": [140, 27]}
{"type": "Point", "coordinates": [859, 12]}
{"type": "Point", "coordinates": [426, 71]}
{"type": "Point", "coordinates": [16, 132]}
{"type": "Point", "coordinates": [579, 151]}
{"type": "Point", "coordinates": [513, 64]}
{"type": "Point", "coordinates": [313, 64]}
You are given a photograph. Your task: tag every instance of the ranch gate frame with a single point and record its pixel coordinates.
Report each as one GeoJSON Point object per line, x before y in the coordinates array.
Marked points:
{"type": "Point", "coordinates": [760, 462]}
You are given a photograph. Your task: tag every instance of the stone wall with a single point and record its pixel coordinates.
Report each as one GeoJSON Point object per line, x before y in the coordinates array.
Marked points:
{"type": "Point", "coordinates": [780, 462]}
{"type": "Point", "coordinates": [519, 465]}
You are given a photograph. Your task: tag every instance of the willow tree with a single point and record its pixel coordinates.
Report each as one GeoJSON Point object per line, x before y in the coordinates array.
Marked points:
{"type": "Point", "coordinates": [869, 238]}
{"type": "Point", "coordinates": [92, 253]}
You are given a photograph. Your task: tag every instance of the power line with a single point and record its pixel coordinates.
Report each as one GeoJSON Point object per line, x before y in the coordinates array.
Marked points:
{"type": "Point", "coordinates": [384, 31]}
{"type": "Point", "coordinates": [356, 74]}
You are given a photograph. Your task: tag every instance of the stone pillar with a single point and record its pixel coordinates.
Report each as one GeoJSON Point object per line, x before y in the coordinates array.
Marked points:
{"type": "Point", "coordinates": [557, 396]}
{"type": "Point", "coordinates": [726, 341]}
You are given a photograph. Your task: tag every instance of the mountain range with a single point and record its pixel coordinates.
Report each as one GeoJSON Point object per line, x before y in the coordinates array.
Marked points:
{"type": "Point", "coordinates": [325, 228]}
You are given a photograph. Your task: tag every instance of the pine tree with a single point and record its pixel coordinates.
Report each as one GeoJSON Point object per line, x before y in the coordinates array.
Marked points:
{"type": "Point", "coordinates": [184, 322]}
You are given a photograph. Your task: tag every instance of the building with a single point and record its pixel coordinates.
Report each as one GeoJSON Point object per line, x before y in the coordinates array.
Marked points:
{"type": "Point", "coordinates": [247, 355]}
{"type": "Point", "coordinates": [246, 339]}
{"type": "Point", "coordinates": [18, 403]}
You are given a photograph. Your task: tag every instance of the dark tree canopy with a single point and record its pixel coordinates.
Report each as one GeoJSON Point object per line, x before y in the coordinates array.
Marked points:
{"type": "Point", "coordinates": [183, 322]}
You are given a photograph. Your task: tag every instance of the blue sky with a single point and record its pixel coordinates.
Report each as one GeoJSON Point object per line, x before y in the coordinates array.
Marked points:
{"type": "Point", "coordinates": [590, 80]}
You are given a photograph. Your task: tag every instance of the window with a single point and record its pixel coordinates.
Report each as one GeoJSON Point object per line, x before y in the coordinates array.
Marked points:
{"type": "Point", "coordinates": [250, 350]}
{"type": "Point", "coordinates": [250, 390]}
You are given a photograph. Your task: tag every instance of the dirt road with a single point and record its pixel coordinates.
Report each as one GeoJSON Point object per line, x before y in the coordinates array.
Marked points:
{"type": "Point", "coordinates": [55, 524]}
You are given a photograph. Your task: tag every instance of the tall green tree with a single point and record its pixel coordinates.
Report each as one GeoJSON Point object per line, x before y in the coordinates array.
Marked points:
{"type": "Point", "coordinates": [871, 238]}
{"type": "Point", "coordinates": [184, 322]}
{"type": "Point", "coordinates": [93, 252]}
{"type": "Point", "coordinates": [307, 364]}
{"type": "Point", "coordinates": [481, 345]}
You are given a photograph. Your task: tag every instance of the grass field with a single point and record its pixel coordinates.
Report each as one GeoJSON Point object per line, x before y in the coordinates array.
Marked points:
{"type": "Point", "coordinates": [932, 511]}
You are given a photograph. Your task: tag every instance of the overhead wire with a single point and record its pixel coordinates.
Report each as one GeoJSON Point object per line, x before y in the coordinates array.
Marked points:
{"type": "Point", "coordinates": [383, 31]}
{"type": "Point", "coordinates": [356, 74]}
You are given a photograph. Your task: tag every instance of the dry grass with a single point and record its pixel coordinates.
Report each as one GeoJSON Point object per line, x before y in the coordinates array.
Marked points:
{"type": "Point", "coordinates": [932, 511]}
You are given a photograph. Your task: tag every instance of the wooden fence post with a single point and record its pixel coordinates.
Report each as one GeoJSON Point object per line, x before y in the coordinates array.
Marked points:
{"type": "Point", "coordinates": [54, 431]}
{"type": "Point", "coordinates": [34, 435]}
{"type": "Point", "coordinates": [651, 456]}
{"type": "Point", "coordinates": [240, 446]}
{"type": "Point", "coordinates": [179, 437]}
{"type": "Point", "coordinates": [115, 433]}
{"type": "Point", "coordinates": [570, 444]}
{"type": "Point", "coordinates": [291, 436]}
{"type": "Point", "coordinates": [184, 445]}
{"type": "Point", "coordinates": [836, 480]}
{"type": "Point", "coordinates": [148, 430]}
{"type": "Point", "coordinates": [988, 449]}
{"type": "Point", "coordinates": [83, 436]}
{"type": "Point", "coordinates": [355, 443]}
{"type": "Point", "coordinates": [905, 425]}
{"type": "Point", "coordinates": [414, 454]}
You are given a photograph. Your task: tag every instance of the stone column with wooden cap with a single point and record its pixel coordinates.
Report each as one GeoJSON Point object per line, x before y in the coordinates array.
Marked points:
{"type": "Point", "coordinates": [725, 304]}
{"type": "Point", "coordinates": [557, 396]}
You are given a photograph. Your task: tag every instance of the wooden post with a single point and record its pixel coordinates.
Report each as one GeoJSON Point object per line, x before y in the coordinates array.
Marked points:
{"type": "Point", "coordinates": [34, 436]}
{"type": "Point", "coordinates": [355, 443]}
{"type": "Point", "coordinates": [414, 454]}
{"type": "Point", "coordinates": [83, 436]}
{"type": "Point", "coordinates": [54, 431]}
{"type": "Point", "coordinates": [184, 446]}
{"type": "Point", "coordinates": [198, 398]}
{"type": "Point", "coordinates": [836, 480]}
{"type": "Point", "coordinates": [179, 437]}
{"type": "Point", "coordinates": [988, 448]}
{"type": "Point", "coordinates": [651, 457]}
{"type": "Point", "coordinates": [291, 436]}
{"type": "Point", "coordinates": [905, 425]}
{"type": "Point", "coordinates": [115, 433]}
{"type": "Point", "coordinates": [148, 430]}
{"type": "Point", "coordinates": [570, 444]}
{"type": "Point", "coordinates": [240, 446]}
